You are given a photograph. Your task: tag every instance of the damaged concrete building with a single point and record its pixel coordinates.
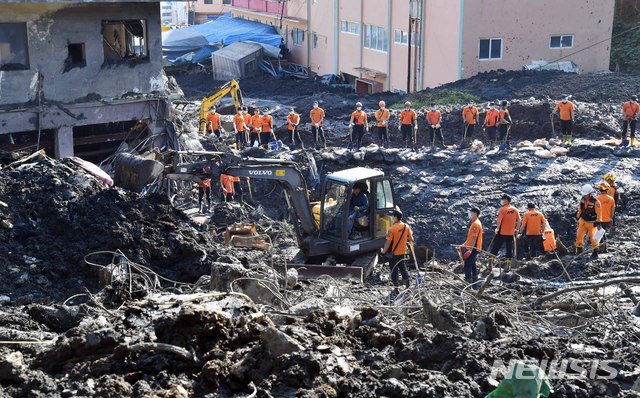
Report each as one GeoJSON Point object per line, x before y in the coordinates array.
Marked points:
{"type": "Point", "coordinates": [80, 77]}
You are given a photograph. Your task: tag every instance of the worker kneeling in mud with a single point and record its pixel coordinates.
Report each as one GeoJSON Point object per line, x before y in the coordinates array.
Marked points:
{"type": "Point", "coordinates": [395, 248]}
{"type": "Point", "coordinates": [589, 218]}
{"type": "Point", "coordinates": [549, 240]}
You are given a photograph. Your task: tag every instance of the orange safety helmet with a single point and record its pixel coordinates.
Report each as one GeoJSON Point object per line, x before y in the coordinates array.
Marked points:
{"type": "Point", "coordinates": [610, 177]}
{"type": "Point", "coordinates": [604, 186]}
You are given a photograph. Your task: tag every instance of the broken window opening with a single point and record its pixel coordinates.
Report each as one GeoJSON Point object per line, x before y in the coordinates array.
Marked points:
{"type": "Point", "coordinates": [125, 41]}
{"type": "Point", "coordinates": [96, 142]}
{"type": "Point", "coordinates": [76, 57]}
{"type": "Point", "coordinates": [14, 49]}
{"type": "Point", "coordinates": [27, 141]}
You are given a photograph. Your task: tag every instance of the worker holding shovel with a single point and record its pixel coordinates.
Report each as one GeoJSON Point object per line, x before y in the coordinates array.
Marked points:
{"type": "Point", "coordinates": [293, 120]}
{"type": "Point", "coordinates": [504, 123]}
{"type": "Point", "coordinates": [472, 246]}
{"type": "Point", "coordinates": [470, 118]}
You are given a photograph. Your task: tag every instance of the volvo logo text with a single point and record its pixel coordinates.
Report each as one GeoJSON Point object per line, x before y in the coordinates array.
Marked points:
{"type": "Point", "coordinates": [260, 172]}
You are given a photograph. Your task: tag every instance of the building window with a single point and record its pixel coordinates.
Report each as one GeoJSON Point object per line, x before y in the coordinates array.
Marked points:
{"type": "Point", "coordinates": [400, 37]}
{"type": "Point", "coordinates": [350, 27]}
{"type": "Point", "coordinates": [315, 40]}
{"type": "Point", "coordinates": [166, 14]}
{"type": "Point", "coordinates": [376, 38]}
{"type": "Point", "coordinates": [14, 49]}
{"type": "Point", "coordinates": [490, 49]}
{"type": "Point", "coordinates": [226, 1]}
{"type": "Point", "coordinates": [125, 40]}
{"type": "Point", "coordinates": [208, 1]}
{"type": "Point", "coordinates": [298, 36]}
{"type": "Point", "coordinates": [561, 41]}
{"type": "Point", "coordinates": [76, 57]}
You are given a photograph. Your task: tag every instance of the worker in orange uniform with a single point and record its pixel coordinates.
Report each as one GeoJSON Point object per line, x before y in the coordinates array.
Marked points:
{"type": "Point", "coordinates": [293, 120]}
{"type": "Point", "coordinates": [382, 124]}
{"type": "Point", "coordinates": [238, 193]}
{"type": "Point", "coordinates": [204, 192]}
{"type": "Point", "coordinates": [491, 119]}
{"type": "Point", "coordinates": [256, 125]}
{"type": "Point", "coordinates": [630, 111]}
{"type": "Point", "coordinates": [566, 109]}
{"type": "Point", "coordinates": [473, 246]}
{"type": "Point", "coordinates": [434, 121]}
{"type": "Point", "coordinates": [506, 231]}
{"type": "Point", "coordinates": [408, 125]}
{"type": "Point", "coordinates": [470, 118]}
{"type": "Point", "coordinates": [398, 236]}
{"type": "Point", "coordinates": [359, 126]}
{"type": "Point", "coordinates": [608, 210]}
{"type": "Point", "coordinates": [317, 118]}
{"type": "Point", "coordinates": [532, 227]}
{"type": "Point", "coordinates": [615, 190]}
{"type": "Point", "coordinates": [226, 187]}
{"type": "Point", "coordinates": [504, 124]}
{"type": "Point", "coordinates": [213, 123]}
{"type": "Point", "coordinates": [240, 127]}
{"type": "Point", "coordinates": [589, 218]}
{"type": "Point", "coordinates": [247, 123]}
{"type": "Point", "coordinates": [266, 127]}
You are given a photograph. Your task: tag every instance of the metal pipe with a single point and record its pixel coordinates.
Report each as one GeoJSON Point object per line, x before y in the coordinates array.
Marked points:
{"type": "Point", "coordinates": [309, 38]}
{"type": "Point", "coordinates": [421, 49]}
{"type": "Point", "coordinates": [336, 32]}
{"type": "Point", "coordinates": [361, 38]}
{"type": "Point", "coordinates": [460, 39]}
{"type": "Point", "coordinates": [388, 84]}
{"type": "Point", "coordinates": [409, 58]}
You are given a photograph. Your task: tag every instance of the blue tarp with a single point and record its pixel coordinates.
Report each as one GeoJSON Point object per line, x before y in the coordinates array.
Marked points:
{"type": "Point", "coordinates": [196, 43]}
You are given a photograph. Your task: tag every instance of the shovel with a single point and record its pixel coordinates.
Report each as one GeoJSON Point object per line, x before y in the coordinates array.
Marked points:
{"type": "Point", "coordinates": [464, 135]}
{"type": "Point", "coordinates": [553, 127]}
{"type": "Point", "coordinates": [415, 263]}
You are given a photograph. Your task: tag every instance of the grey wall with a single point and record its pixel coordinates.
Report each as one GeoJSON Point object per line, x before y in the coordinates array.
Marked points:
{"type": "Point", "coordinates": [51, 26]}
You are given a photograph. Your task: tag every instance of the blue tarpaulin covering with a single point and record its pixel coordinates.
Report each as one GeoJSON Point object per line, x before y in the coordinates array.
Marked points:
{"type": "Point", "coordinates": [196, 43]}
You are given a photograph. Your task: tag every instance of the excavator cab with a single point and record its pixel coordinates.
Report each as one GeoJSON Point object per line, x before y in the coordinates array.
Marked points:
{"type": "Point", "coordinates": [349, 231]}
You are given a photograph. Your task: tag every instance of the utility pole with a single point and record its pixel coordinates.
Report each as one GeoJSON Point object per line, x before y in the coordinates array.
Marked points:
{"type": "Point", "coordinates": [413, 15]}
{"type": "Point", "coordinates": [409, 58]}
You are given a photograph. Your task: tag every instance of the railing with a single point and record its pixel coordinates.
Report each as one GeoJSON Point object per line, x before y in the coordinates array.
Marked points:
{"type": "Point", "coordinates": [268, 6]}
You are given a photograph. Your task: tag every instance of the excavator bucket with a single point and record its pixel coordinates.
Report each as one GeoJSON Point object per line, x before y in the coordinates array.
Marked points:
{"type": "Point", "coordinates": [135, 172]}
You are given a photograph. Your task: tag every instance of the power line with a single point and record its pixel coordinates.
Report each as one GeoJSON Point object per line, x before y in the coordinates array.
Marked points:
{"type": "Point", "coordinates": [595, 44]}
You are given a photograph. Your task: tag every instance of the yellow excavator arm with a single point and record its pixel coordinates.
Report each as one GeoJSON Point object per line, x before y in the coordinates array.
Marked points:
{"type": "Point", "coordinates": [233, 88]}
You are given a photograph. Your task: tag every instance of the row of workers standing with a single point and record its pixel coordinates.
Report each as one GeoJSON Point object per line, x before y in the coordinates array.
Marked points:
{"type": "Point", "coordinates": [258, 129]}
{"type": "Point", "coordinates": [595, 216]}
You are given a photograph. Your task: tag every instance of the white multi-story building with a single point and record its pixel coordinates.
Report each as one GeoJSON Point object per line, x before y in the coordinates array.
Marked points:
{"type": "Point", "coordinates": [174, 13]}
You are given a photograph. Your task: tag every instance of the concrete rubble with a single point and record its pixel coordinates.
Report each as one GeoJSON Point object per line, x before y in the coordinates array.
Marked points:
{"type": "Point", "coordinates": [183, 314]}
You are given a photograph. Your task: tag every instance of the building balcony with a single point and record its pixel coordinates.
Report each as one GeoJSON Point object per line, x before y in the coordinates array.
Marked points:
{"type": "Point", "coordinates": [263, 6]}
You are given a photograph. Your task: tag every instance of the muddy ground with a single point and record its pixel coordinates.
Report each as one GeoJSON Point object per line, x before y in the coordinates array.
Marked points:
{"type": "Point", "coordinates": [159, 330]}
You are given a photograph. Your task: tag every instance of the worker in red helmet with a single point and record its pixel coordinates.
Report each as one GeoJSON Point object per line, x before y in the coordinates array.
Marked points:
{"type": "Point", "coordinates": [382, 126]}
{"type": "Point", "coordinates": [472, 246]}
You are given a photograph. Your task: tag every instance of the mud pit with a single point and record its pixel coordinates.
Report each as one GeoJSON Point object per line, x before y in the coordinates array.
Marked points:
{"type": "Point", "coordinates": [324, 338]}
